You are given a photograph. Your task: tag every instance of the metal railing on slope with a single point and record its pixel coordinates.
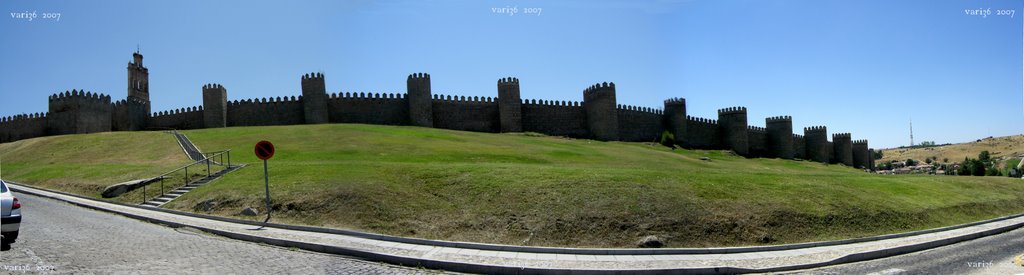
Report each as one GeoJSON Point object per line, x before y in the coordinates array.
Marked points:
{"type": "Point", "coordinates": [201, 166]}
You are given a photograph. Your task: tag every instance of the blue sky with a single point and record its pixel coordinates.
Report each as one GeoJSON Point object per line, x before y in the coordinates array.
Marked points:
{"type": "Point", "coordinates": [864, 67]}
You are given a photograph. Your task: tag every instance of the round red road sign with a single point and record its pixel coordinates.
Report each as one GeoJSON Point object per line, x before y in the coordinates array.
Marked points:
{"type": "Point", "coordinates": [264, 150]}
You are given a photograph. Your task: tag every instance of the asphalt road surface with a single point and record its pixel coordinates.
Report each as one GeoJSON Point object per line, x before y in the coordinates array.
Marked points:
{"type": "Point", "coordinates": [58, 237]}
{"type": "Point", "coordinates": [988, 255]}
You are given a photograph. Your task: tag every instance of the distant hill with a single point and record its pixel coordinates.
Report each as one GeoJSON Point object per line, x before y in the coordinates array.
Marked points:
{"type": "Point", "coordinates": [1000, 148]}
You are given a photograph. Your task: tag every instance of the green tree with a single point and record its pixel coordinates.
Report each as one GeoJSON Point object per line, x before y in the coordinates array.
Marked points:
{"type": "Point", "coordinates": [945, 160]}
{"type": "Point", "coordinates": [977, 167]}
{"type": "Point", "coordinates": [877, 154]}
{"type": "Point", "coordinates": [965, 168]}
{"type": "Point", "coordinates": [668, 140]}
{"type": "Point", "coordinates": [992, 171]}
{"type": "Point", "coordinates": [911, 162]}
{"type": "Point", "coordinates": [984, 156]}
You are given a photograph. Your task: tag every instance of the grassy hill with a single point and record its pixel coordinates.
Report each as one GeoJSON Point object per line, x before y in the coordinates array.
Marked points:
{"type": "Point", "coordinates": [85, 164]}
{"type": "Point", "coordinates": [1001, 149]}
{"type": "Point", "coordinates": [528, 189]}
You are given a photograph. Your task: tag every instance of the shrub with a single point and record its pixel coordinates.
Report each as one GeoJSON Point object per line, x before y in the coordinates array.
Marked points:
{"type": "Point", "coordinates": [668, 140]}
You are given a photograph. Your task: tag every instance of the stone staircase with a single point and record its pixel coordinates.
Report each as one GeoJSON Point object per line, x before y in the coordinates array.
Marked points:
{"type": "Point", "coordinates": [190, 149]}
{"type": "Point", "coordinates": [195, 154]}
{"type": "Point", "coordinates": [174, 194]}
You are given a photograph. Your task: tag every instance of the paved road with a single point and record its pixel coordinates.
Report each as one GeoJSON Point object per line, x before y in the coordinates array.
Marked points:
{"type": "Point", "coordinates": [989, 255]}
{"type": "Point", "coordinates": [62, 238]}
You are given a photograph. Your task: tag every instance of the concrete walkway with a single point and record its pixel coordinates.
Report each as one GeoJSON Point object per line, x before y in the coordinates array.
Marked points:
{"type": "Point", "coordinates": [186, 145]}
{"type": "Point", "coordinates": [485, 258]}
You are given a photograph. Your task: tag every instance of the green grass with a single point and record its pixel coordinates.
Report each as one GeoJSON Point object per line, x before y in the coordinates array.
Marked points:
{"type": "Point", "coordinates": [85, 164]}
{"type": "Point", "coordinates": [526, 189]}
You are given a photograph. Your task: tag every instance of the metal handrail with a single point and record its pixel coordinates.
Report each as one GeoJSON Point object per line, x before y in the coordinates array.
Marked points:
{"type": "Point", "coordinates": [208, 160]}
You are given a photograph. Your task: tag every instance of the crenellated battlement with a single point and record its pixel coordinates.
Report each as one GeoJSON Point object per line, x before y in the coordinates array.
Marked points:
{"type": "Point", "coordinates": [840, 136]}
{"type": "Point", "coordinates": [701, 120]}
{"type": "Point", "coordinates": [599, 88]}
{"type": "Point", "coordinates": [860, 142]}
{"type": "Point", "coordinates": [313, 76]}
{"type": "Point", "coordinates": [178, 111]}
{"type": "Point", "coordinates": [464, 99]}
{"type": "Point", "coordinates": [79, 96]}
{"type": "Point", "coordinates": [366, 96]}
{"type": "Point", "coordinates": [265, 100]}
{"type": "Point", "coordinates": [675, 101]}
{"type": "Point", "coordinates": [813, 129]}
{"type": "Point", "coordinates": [129, 101]}
{"type": "Point", "coordinates": [732, 110]}
{"type": "Point", "coordinates": [213, 86]}
{"type": "Point", "coordinates": [776, 119]}
{"type": "Point", "coordinates": [507, 81]}
{"type": "Point", "coordinates": [22, 117]}
{"type": "Point", "coordinates": [552, 103]}
{"type": "Point", "coordinates": [638, 109]}
{"type": "Point", "coordinates": [756, 128]}
{"type": "Point", "coordinates": [419, 76]}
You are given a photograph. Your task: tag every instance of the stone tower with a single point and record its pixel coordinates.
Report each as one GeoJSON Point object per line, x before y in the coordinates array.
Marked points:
{"type": "Point", "coordinates": [510, 106]}
{"type": "Point", "coordinates": [843, 147]}
{"type": "Point", "coordinates": [78, 112]}
{"type": "Point", "coordinates": [861, 154]}
{"type": "Point", "coordinates": [602, 118]}
{"type": "Point", "coordinates": [732, 123]}
{"type": "Point", "coordinates": [314, 98]}
{"type": "Point", "coordinates": [871, 159]}
{"type": "Point", "coordinates": [816, 143]}
{"type": "Point", "coordinates": [421, 112]}
{"type": "Point", "coordinates": [215, 106]}
{"type": "Point", "coordinates": [675, 119]}
{"type": "Point", "coordinates": [138, 94]}
{"type": "Point", "coordinates": [779, 139]}
{"type": "Point", "coordinates": [138, 78]}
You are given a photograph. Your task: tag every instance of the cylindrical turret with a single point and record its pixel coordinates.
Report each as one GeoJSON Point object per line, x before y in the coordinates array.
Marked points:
{"type": "Point", "coordinates": [861, 154]}
{"type": "Point", "coordinates": [215, 106]}
{"type": "Point", "coordinates": [675, 119]}
{"type": "Point", "coordinates": [314, 98]}
{"type": "Point", "coordinates": [510, 110]}
{"type": "Point", "coordinates": [732, 123]}
{"type": "Point", "coordinates": [779, 136]}
{"type": "Point", "coordinates": [843, 148]}
{"type": "Point", "coordinates": [420, 105]}
{"type": "Point", "coordinates": [602, 117]}
{"type": "Point", "coordinates": [816, 143]}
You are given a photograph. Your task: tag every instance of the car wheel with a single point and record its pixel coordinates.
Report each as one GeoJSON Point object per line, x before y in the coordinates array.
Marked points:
{"type": "Point", "coordinates": [10, 237]}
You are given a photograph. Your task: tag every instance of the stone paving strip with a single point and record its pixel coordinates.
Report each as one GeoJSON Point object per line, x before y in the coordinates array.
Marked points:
{"type": "Point", "coordinates": [491, 261]}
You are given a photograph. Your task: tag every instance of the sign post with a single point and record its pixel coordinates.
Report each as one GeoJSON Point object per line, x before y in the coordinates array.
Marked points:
{"type": "Point", "coordinates": [264, 151]}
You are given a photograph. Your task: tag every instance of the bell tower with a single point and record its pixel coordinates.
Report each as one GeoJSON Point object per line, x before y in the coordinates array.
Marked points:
{"type": "Point", "coordinates": [138, 79]}
{"type": "Point", "coordinates": [138, 94]}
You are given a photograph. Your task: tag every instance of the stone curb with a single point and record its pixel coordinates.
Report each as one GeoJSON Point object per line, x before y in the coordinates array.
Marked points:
{"type": "Point", "coordinates": [553, 250]}
{"type": "Point", "coordinates": [486, 268]}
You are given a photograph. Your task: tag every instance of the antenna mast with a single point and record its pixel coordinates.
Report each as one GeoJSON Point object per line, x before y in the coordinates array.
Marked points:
{"type": "Point", "coordinates": [911, 131]}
